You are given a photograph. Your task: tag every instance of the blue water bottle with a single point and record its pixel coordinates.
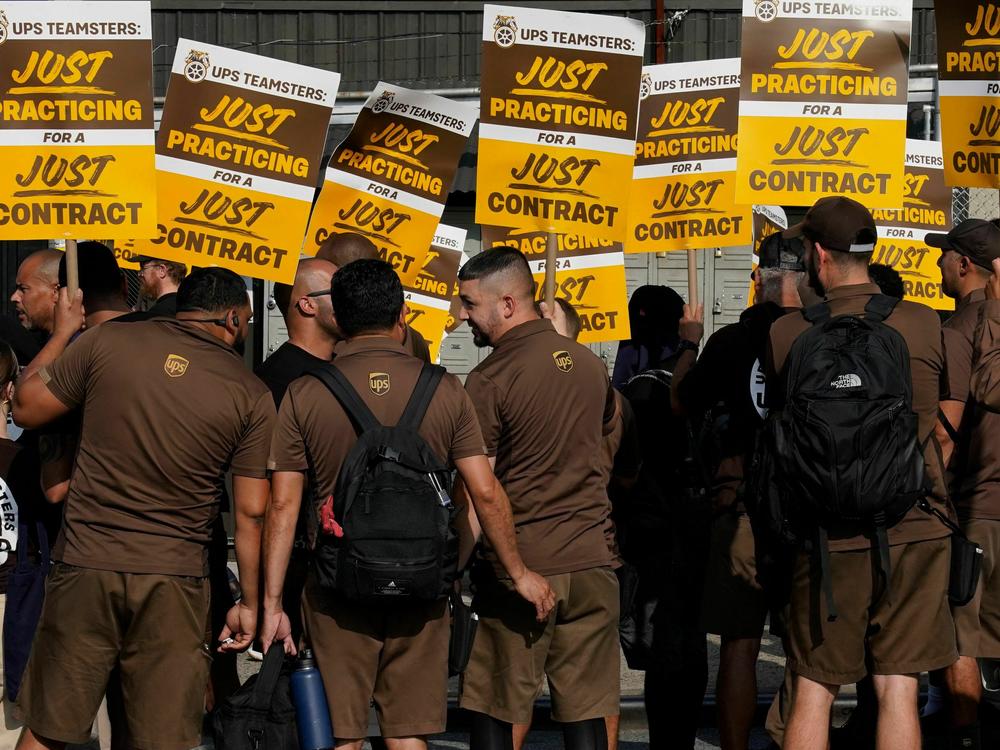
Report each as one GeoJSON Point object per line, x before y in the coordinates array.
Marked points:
{"type": "Point", "coordinates": [311, 711]}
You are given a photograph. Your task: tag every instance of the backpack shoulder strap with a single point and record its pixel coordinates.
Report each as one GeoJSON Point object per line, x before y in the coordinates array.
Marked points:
{"type": "Point", "coordinates": [817, 314]}
{"type": "Point", "coordinates": [423, 392]}
{"type": "Point", "coordinates": [360, 415]}
{"type": "Point", "coordinates": [880, 307]}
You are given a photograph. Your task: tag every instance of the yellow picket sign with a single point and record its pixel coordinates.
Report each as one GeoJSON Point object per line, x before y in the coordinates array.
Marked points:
{"type": "Point", "coordinates": [823, 102]}
{"type": "Point", "coordinates": [237, 159]}
{"type": "Point", "coordinates": [684, 184]}
{"type": "Point", "coordinates": [968, 43]}
{"type": "Point", "coordinates": [559, 100]}
{"type": "Point", "coordinates": [389, 179]}
{"type": "Point", "coordinates": [76, 131]}
{"type": "Point", "coordinates": [926, 208]}
{"type": "Point", "coordinates": [590, 275]}
{"type": "Point", "coordinates": [429, 297]}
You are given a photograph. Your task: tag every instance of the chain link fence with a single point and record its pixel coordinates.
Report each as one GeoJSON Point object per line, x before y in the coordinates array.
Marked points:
{"type": "Point", "coordinates": [975, 203]}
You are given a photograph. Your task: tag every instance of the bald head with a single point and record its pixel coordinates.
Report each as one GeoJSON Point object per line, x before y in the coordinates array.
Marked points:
{"type": "Point", "coordinates": [37, 288]}
{"type": "Point", "coordinates": [346, 247]}
{"type": "Point", "coordinates": [312, 275]}
{"type": "Point", "coordinates": [503, 271]}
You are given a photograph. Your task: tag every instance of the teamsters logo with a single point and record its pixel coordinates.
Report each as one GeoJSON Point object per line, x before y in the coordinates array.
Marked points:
{"type": "Point", "coordinates": [379, 383]}
{"type": "Point", "coordinates": [196, 66]}
{"type": "Point", "coordinates": [505, 31]}
{"type": "Point", "coordinates": [384, 100]}
{"type": "Point", "coordinates": [765, 10]}
{"type": "Point", "coordinates": [3, 27]}
{"type": "Point", "coordinates": [645, 86]}
{"type": "Point", "coordinates": [175, 366]}
{"type": "Point", "coordinates": [563, 360]}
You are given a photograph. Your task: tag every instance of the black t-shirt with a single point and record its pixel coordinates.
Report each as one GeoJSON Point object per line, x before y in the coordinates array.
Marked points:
{"type": "Point", "coordinates": [286, 364]}
{"type": "Point", "coordinates": [26, 344]}
{"type": "Point", "coordinates": [165, 307]}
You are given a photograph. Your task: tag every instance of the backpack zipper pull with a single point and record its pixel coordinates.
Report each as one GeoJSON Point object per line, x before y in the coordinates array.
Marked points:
{"type": "Point", "coordinates": [443, 497]}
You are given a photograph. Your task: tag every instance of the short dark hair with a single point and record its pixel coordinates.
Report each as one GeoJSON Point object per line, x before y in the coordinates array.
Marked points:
{"type": "Point", "coordinates": [573, 324]}
{"type": "Point", "coordinates": [347, 247]}
{"type": "Point", "coordinates": [9, 367]}
{"type": "Point", "coordinates": [211, 290]}
{"type": "Point", "coordinates": [367, 297]}
{"type": "Point", "coordinates": [100, 276]}
{"type": "Point", "coordinates": [845, 260]}
{"type": "Point", "coordinates": [498, 259]}
{"type": "Point", "coordinates": [888, 279]}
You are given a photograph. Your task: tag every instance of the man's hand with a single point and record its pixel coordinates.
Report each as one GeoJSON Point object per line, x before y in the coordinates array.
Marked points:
{"type": "Point", "coordinates": [276, 627]}
{"type": "Point", "coordinates": [238, 633]}
{"type": "Point", "coordinates": [558, 317]}
{"type": "Point", "coordinates": [993, 285]}
{"type": "Point", "coordinates": [69, 314]}
{"type": "Point", "coordinates": [692, 324]}
{"type": "Point", "coordinates": [535, 589]}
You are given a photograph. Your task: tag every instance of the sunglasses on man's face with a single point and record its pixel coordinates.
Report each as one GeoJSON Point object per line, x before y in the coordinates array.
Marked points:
{"type": "Point", "coordinates": [321, 293]}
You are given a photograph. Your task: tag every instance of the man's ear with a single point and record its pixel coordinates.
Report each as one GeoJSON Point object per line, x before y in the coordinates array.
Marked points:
{"type": "Point", "coordinates": [306, 306]}
{"type": "Point", "coordinates": [509, 305]}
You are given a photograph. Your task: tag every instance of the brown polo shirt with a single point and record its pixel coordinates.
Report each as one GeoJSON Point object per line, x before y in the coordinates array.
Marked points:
{"type": "Point", "coordinates": [986, 371]}
{"type": "Point", "coordinates": [974, 478]}
{"type": "Point", "coordinates": [543, 401]}
{"type": "Point", "coordinates": [167, 409]}
{"type": "Point", "coordinates": [921, 329]}
{"type": "Point", "coordinates": [312, 423]}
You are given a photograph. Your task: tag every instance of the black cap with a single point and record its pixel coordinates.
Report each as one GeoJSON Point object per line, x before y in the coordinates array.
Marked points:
{"type": "Point", "coordinates": [837, 223]}
{"type": "Point", "coordinates": [977, 240]}
{"type": "Point", "coordinates": [98, 269]}
{"type": "Point", "coordinates": [779, 252]}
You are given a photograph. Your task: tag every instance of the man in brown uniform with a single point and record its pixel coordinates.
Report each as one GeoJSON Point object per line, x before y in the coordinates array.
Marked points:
{"type": "Point", "coordinates": [544, 403]}
{"type": "Point", "coordinates": [970, 444]}
{"type": "Point", "coordinates": [130, 587]}
{"type": "Point", "coordinates": [909, 628]}
{"type": "Point", "coordinates": [394, 654]}
{"type": "Point", "coordinates": [986, 373]}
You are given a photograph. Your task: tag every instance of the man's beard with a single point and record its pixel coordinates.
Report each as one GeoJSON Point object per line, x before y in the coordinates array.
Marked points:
{"type": "Point", "coordinates": [240, 345]}
{"type": "Point", "coordinates": [814, 283]}
{"type": "Point", "coordinates": [479, 338]}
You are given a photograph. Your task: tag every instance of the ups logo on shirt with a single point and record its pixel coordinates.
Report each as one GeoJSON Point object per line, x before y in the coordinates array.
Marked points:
{"type": "Point", "coordinates": [175, 366]}
{"type": "Point", "coordinates": [379, 383]}
{"type": "Point", "coordinates": [563, 360]}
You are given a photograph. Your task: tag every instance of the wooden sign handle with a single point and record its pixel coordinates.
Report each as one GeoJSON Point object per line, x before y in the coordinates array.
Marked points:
{"type": "Point", "coordinates": [72, 268]}
{"type": "Point", "coordinates": [692, 278]}
{"type": "Point", "coordinates": [550, 271]}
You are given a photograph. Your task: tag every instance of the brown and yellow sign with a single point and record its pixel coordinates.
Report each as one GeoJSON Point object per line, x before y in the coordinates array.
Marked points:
{"type": "Point", "coordinates": [685, 159]}
{"type": "Point", "coordinates": [926, 208]}
{"type": "Point", "coordinates": [559, 99]}
{"type": "Point", "coordinates": [390, 178]}
{"type": "Point", "coordinates": [237, 158]}
{"type": "Point", "coordinates": [823, 102]}
{"type": "Point", "coordinates": [766, 221]}
{"type": "Point", "coordinates": [590, 275]}
{"type": "Point", "coordinates": [429, 297]}
{"type": "Point", "coordinates": [968, 43]}
{"type": "Point", "coordinates": [76, 120]}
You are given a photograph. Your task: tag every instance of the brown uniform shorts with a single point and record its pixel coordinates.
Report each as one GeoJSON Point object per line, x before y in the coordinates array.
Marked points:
{"type": "Point", "coordinates": [576, 648]}
{"type": "Point", "coordinates": [908, 630]}
{"type": "Point", "coordinates": [977, 624]}
{"type": "Point", "coordinates": [152, 625]}
{"type": "Point", "coordinates": [395, 655]}
{"type": "Point", "coordinates": [734, 605]}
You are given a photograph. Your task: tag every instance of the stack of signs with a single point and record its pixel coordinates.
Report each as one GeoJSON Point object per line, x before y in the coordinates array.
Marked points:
{"type": "Point", "coordinates": [684, 184]}
{"type": "Point", "coordinates": [390, 178]}
{"type": "Point", "coordinates": [238, 158]}
{"type": "Point", "coordinates": [968, 43]}
{"type": "Point", "coordinates": [823, 102]}
{"type": "Point", "coordinates": [590, 275]}
{"type": "Point", "coordinates": [429, 296]}
{"type": "Point", "coordinates": [766, 221]}
{"type": "Point", "coordinates": [926, 208]}
{"type": "Point", "coordinates": [559, 108]}
{"type": "Point", "coordinates": [76, 135]}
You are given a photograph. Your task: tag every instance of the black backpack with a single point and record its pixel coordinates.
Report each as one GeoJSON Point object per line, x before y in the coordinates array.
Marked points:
{"type": "Point", "coordinates": [392, 536]}
{"type": "Point", "coordinates": [845, 446]}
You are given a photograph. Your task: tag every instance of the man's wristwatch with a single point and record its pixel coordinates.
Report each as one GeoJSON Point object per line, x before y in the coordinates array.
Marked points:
{"type": "Point", "coordinates": [687, 346]}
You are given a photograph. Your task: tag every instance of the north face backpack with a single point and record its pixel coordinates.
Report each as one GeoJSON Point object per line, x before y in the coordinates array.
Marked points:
{"type": "Point", "coordinates": [848, 452]}
{"type": "Point", "coordinates": [386, 533]}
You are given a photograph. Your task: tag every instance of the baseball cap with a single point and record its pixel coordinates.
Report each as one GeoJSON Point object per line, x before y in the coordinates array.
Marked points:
{"type": "Point", "coordinates": [837, 223]}
{"type": "Point", "coordinates": [977, 240]}
{"type": "Point", "coordinates": [780, 252]}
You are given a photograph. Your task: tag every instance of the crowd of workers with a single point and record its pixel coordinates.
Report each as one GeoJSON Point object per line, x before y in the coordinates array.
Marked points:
{"type": "Point", "coordinates": [594, 515]}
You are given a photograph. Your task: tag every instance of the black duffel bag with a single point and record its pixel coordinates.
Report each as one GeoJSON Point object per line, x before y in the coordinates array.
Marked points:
{"type": "Point", "coordinates": [260, 715]}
